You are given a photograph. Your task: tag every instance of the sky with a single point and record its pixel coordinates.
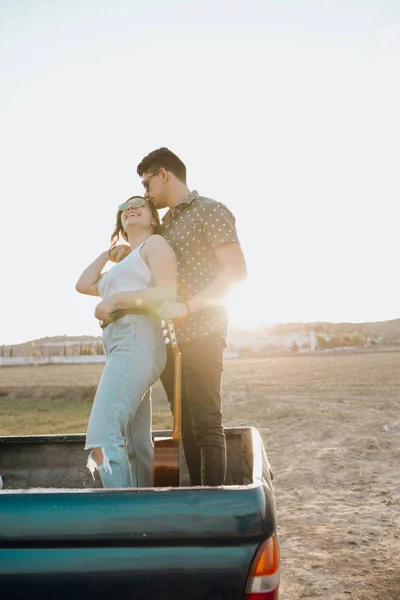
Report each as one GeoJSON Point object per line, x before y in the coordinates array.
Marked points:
{"type": "Point", "coordinates": [286, 111]}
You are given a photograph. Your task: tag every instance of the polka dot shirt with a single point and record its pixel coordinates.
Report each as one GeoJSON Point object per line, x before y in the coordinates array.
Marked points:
{"type": "Point", "coordinates": [195, 229]}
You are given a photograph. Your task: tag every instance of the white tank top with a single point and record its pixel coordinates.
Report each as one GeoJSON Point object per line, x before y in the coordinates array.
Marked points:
{"type": "Point", "coordinates": [129, 275]}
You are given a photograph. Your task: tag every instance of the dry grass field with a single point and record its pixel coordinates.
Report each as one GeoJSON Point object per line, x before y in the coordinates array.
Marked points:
{"type": "Point", "coordinates": [331, 425]}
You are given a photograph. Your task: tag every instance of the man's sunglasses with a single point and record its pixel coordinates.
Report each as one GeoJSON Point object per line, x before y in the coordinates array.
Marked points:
{"type": "Point", "coordinates": [145, 182]}
{"type": "Point", "coordinates": [132, 203]}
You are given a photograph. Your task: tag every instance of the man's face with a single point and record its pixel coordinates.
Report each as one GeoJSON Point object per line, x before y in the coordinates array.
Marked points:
{"type": "Point", "coordinates": [154, 185]}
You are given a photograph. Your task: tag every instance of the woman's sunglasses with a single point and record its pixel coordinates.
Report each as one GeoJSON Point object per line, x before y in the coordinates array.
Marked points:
{"type": "Point", "coordinates": [131, 203]}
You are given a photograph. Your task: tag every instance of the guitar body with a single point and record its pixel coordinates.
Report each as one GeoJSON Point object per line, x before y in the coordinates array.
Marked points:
{"type": "Point", "coordinates": [166, 450]}
{"type": "Point", "coordinates": [166, 462]}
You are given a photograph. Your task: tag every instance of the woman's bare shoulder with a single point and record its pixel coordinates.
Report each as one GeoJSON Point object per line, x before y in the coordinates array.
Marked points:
{"type": "Point", "coordinates": [155, 247]}
{"type": "Point", "coordinates": [157, 241]}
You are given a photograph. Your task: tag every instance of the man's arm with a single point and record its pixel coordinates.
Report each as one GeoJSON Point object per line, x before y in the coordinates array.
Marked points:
{"type": "Point", "coordinates": [220, 235]}
{"type": "Point", "coordinates": [232, 261]}
{"type": "Point", "coordinates": [233, 270]}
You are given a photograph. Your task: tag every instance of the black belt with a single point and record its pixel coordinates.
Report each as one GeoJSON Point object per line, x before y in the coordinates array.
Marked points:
{"type": "Point", "coordinates": [121, 312]}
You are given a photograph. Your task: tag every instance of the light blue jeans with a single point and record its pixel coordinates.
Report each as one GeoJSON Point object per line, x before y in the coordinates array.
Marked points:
{"type": "Point", "coordinates": [120, 421]}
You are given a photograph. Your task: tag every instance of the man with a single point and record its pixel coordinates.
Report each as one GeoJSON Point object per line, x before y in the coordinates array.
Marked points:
{"type": "Point", "coordinates": [210, 260]}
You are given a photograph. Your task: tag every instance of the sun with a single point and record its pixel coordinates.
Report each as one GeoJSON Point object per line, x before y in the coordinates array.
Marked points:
{"type": "Point", "coordinates": [246, 309]}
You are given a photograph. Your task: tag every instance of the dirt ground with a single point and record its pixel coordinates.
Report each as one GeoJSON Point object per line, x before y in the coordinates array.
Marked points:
{"type": "Point", "coordinates": [331, 426]}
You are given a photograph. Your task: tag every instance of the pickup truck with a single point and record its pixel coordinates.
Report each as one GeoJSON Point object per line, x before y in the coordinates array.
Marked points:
{"type": "Point", "coordinates": [63, 536]}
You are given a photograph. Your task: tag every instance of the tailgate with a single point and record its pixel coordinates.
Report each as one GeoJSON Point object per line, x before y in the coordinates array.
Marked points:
{"type": "Point", "coordinates": [181, 543]}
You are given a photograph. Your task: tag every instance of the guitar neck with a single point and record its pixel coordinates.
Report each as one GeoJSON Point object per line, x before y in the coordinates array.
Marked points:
{"type": "Point", "coordinates": [176, 430]}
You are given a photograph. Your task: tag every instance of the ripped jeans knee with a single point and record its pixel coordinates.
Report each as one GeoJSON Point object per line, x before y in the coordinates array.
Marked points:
{"type": "Point", "coordinates": [123, 465]}
{"type": "Point", "coordinates": [111, 462]}
{"type": "Point", "coordinates": [94, 462]}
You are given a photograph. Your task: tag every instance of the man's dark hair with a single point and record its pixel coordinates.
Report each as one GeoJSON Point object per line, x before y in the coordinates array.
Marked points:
{"type": "Point", "coordinates": [162, 157]}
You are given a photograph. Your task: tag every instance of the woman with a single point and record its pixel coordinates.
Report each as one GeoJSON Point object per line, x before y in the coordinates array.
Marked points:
{"type": "Point", "coordinates": [119, 429]}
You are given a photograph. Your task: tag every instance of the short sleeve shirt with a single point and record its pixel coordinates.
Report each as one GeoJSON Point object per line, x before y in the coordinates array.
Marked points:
{"type": "Point", "coordinates": [195, 229]}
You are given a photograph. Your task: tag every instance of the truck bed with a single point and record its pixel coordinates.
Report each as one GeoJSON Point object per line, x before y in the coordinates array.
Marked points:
{"type": "Point", "coordinates": [59, 461]}
{"type": "Point", "coordinates": [63, 535]}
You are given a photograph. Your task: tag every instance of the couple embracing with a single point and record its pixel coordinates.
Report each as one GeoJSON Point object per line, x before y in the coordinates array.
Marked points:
{"type": "Point", "coordinates": [178, 269]}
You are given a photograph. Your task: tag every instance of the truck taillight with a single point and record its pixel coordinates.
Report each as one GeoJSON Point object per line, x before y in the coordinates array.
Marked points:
{"type": "Point", "coordinates": [263, 581]}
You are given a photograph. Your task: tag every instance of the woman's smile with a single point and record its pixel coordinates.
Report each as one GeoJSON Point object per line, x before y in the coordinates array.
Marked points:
{"type": "Point", "coordinates": [132, 214]}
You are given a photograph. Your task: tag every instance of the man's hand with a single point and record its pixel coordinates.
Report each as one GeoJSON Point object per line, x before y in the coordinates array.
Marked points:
{"type": "Point", "coordinates": [104, 308]}
{"type": "Point", "coordinates": [172, 310]}
{"type": "Point", "coordinates": [117, 253]}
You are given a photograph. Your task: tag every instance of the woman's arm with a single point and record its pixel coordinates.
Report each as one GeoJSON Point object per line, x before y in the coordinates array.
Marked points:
{"type": "Point", "coordinates": [161, 260]}
{"type": "Point", "coordinates": [88, 281]}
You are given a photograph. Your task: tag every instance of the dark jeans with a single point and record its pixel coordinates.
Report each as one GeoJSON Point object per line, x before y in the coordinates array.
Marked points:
{"type": "Point", "coordinates": [203, 436]}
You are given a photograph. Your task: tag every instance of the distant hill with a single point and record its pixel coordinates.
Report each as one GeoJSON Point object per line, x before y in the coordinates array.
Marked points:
{"type": "Point", "coordinates": [389, 331]}
{"type": "Point", "coordinates": [56, 345]}
{"type": "Point", "coordinates": [383, 332]}
{"type": "Point", "coordinates": [62, 338]}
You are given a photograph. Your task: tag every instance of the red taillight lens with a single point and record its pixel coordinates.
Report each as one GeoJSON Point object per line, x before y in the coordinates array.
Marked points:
{"type": "Point", "coordinates": [263, 582]}
{"type": "Point", "coordinates": [274, 595]}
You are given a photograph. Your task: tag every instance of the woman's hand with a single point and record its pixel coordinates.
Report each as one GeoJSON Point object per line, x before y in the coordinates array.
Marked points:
{"type": "Point", "coordinates": [104, 309]}
{"type": "Point", "coordinates": [118, 253]}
